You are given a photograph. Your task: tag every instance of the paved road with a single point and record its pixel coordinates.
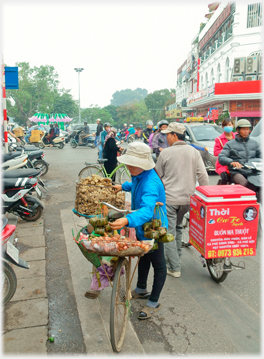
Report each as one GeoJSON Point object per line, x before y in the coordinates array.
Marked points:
{"type": "Point", "coordinates": [198, 315]}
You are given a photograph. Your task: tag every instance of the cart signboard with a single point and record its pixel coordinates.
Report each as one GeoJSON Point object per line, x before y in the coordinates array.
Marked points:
{"type": "Point", "coordinates": [224, 221]}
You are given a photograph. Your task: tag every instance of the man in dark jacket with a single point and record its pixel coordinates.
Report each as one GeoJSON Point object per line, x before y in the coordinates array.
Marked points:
{"type": "Point", "coordinates": [246, 148]}
{"type": "Point", "coordinates": [147, 132]}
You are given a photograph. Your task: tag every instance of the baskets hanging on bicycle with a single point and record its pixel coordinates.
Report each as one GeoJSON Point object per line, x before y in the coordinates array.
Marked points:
{"type": "Point", "coordinates": [91, 191]}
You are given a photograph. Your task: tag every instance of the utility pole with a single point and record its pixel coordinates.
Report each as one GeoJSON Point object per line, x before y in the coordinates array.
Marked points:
{"type": "Point", "coordinates": [79, 69]}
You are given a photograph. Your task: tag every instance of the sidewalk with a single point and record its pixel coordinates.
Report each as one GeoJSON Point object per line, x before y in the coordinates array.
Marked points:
{"type": "Point", "coordinates": [25, 324]}
{"type": "Point", "coordinates": [26, 316]}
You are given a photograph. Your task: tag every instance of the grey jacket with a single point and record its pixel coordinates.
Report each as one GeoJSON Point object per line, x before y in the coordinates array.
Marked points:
{"type": "Point", "coordinates": [178, 166]}
{"type": "Point", "coordinates": [246, 148]}
{"type": "Point", "coordinates": [156, 144]}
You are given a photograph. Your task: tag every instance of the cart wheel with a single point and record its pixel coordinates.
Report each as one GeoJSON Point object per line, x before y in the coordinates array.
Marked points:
{"type": "Point", "coordinates": [215, 267]}
{"type": "Point", "coordinates": [119, 305]}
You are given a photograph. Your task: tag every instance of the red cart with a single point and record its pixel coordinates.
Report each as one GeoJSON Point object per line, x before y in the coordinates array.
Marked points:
{"type": "Point", "coordinates": [223, 224]}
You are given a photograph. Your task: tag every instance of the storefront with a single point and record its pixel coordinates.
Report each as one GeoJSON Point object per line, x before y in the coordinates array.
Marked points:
{"type": "Point", "coordinates": [249, 109]}
{"type": "Point", "coordinates": [241, 99]}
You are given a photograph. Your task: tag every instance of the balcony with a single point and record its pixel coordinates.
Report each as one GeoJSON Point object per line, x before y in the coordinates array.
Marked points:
{"type": "Point", "coordinates": [217, 44]}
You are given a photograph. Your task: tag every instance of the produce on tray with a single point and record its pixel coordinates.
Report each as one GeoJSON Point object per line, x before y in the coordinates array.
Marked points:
{"type": "Point", "coordinates": [91, 191]}
{"type": "Point", "coordinates": [114, 245]}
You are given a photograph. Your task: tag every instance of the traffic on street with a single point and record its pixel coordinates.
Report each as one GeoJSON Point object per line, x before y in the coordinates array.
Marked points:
{"type": "Point", "coordinates": [131, 216]}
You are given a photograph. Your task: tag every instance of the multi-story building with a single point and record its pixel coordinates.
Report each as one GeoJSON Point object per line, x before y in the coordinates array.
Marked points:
{"type": "Point", "coordinates": [223, 71]}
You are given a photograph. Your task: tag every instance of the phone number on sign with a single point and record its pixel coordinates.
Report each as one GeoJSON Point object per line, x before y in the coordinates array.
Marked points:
{"type": "Point", "coordinates": [231, 252]}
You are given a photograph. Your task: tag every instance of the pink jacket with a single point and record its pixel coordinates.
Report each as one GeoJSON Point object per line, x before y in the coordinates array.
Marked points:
{"type": "Point", "coordinates": [219, 144]}
{"type": "Point", "coordinates": [151, 139]}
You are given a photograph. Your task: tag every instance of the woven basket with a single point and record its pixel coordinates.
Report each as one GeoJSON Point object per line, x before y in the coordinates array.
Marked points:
{"type": "Point", "coordinates": [92, 257]}
{"type": "Point", "coordinates": [89, 197]}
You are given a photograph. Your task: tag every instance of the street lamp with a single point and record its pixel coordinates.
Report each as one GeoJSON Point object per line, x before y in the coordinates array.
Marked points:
{"type": "Point", "coordinates": [79, 69]}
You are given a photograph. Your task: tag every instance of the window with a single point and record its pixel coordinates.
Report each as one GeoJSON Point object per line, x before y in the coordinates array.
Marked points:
{"type": "Point", "coordinates": [206, 80]}
{"type": "Point", "coordinates": [254, 15]}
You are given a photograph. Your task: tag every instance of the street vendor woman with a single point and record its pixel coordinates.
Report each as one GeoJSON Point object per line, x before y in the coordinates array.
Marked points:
{"type": "Point", "coordinates": [146, 190]}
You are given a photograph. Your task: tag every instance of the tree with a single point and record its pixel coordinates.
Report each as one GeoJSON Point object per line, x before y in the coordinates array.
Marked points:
{"type": "Point", "coordinates": [126, 114]}
{"type": "Point", "coordinates": [128, 96]}
{"type": "Point", "coordinates": [38, 87]}
{"type": "Point", "coordinates": [91, 114]}
{"type": "Point", "coordinates": [156, 101]}
{"type": "Point", "coordinates": [113, 112]}
{"type": "Point", "coordinates": [64, 103]}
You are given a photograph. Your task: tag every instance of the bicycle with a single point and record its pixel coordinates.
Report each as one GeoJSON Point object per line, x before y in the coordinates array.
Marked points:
{"type": "Point", "coordinates": [121, 286]}
{"type": "Point", "coordinates": [121, 171]}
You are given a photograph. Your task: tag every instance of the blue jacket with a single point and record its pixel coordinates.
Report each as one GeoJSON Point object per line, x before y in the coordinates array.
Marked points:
{"type": "Point", "coordinates": [146, 189]}
{"type": "Point", "coordinates": [56, 131]}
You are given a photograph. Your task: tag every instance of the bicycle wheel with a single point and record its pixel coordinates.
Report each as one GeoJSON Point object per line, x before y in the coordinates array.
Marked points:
{"type": "Point", "coordinates": [125, 176]}
{"type": "Point", "coordinates": [91, 170]}
{"type": "Point", "coordinates": [119, 305]}
{"type": "Point", "coordinates": [216, 269]}
{"type": "Point", "coordinates": [185, 231]}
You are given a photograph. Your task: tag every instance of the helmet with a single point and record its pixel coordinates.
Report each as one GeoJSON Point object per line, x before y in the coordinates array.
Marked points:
{"type": "Point", "coordinates": [155, 128]}
{"type": "Point", "coordinates": [98, 120]}
{"type": "Point", "coordinates": [149, 123]}
{"type": "Point", "coordinates": [107, 124]}
{"type": "Point", "coordinates": [130, 125]}
{"type": "Point", "coordinates": [163, 122]}
{"type": "Point", "coordinates": [243, 123]}
{"type": "Point", "coordinates": [125, 124]}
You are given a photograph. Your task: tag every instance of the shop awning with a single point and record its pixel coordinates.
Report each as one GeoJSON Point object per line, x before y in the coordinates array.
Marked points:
{"type": "Point", "coordinates": [246, 114]}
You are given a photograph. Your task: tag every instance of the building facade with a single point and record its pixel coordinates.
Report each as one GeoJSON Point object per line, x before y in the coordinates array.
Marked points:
{"type": "Point", "coordinates": [226, 51]}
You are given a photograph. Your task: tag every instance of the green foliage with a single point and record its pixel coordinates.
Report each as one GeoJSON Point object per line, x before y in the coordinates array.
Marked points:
{"type": "Point", "coordinates": [38, 92]}
{"type": "Point", "coordinates": [156, 101]}
{"type": "Point", "coordinates": [91, 114]}
{"type": "Point", "coordinates": [64, 103]}
{"type": "Point", "coordinates": [222, 117]}
{"type": "Point", "coordinates": [134, 114]}
{"type": "Point", "coordinates": [128, 96]}
{"type": "Point", "coordinates": [113, 112]}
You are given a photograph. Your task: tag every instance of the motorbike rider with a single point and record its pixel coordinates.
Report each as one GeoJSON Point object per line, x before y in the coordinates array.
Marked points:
{"type": "Point", "coordinates": [147, 132]}
{"type": "Point", "coordinates": [9, 130]}
{"type": "Point", "coordinates": [84, 132]}
{"type": "Point", "coordinates": [131, 131]}
{"type": "Point", "coordinates": [246, 148]}
{"type": "Point", "coordinates": [159, 146]}
{"type": "Point", "coordinates": [51, 135]}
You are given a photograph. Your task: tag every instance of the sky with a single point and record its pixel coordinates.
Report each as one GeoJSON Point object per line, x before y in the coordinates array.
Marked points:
{"type": "Point", "coordinates": [120, 45]}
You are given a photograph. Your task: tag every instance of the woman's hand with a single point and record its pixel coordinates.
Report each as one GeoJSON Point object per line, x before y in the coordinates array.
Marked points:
{"type": "Point", "coordinates": [119, 223]}
{"type": "Point", "coordinates": [236, 165]}
{"type": "Point", "coordinates": [117, 188]}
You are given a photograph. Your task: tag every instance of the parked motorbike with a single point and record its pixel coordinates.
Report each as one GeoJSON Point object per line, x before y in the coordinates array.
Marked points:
{"type": "Point", "coordinates": [10, 254]}
{"type": "Point", "coordinates": [56, 142]}
{"type": "Point", "coordinates": [87, 141]}
{"type": "Point", "coordinates": [16, 198]}
{"type": "Point", "coordinates": [36, 159]}
{"type": "Point", "coordinates": [27, 173]}
{"type": "Point", "coordinates": [14, 160]}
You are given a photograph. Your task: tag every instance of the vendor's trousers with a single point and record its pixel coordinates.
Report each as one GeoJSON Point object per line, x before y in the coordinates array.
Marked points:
{"type": "Point", "coordinates": [173, 249]}
{"type": "Point", "coordinates": [156, 258]}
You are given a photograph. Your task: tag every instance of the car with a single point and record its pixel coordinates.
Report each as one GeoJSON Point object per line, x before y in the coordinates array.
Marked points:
{"type": "Point", "coordinates": [256, 133]}
{"type": "Point", "coordinates": [201, 136]}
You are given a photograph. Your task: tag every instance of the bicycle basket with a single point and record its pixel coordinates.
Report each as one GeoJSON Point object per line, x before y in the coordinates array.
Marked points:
{"type": "Point", "coordinates": [91, 191]}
